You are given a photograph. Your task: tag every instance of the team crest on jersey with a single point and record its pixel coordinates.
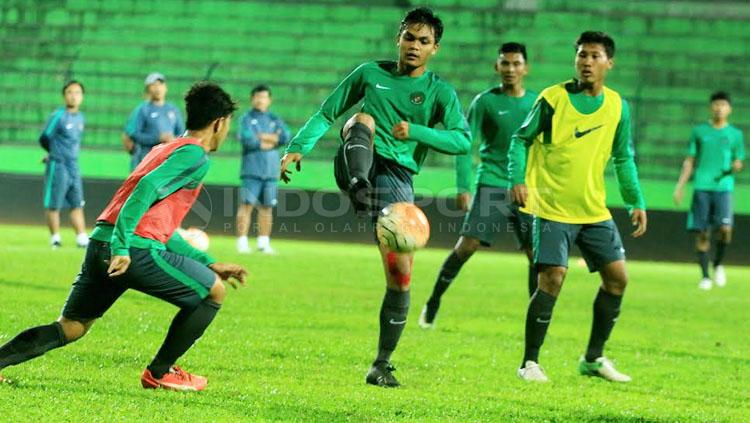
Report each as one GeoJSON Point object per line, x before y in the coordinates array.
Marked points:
{"type": "Point", "coordinates": [69, 126]}
{"type": "Point", "coordinates": [417, 97]}
{"type": "Point", "coordinates": [171, 116]}
{"type": "Point", "coordinates": [154, 115]}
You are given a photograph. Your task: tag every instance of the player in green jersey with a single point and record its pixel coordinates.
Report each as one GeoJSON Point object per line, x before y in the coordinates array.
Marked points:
{"type": "Point", "coordinates": [493, 116]}
{"type": "Point", "coordinates": [574, 129]}
{"type": "Point", "coordinates": [715, 154]}
{"type": "Point", "coordinates": [384, 145]}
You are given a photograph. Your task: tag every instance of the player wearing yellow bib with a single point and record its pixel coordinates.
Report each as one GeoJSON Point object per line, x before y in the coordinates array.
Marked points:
{"type": "Point", "coordinates": [573, 130]}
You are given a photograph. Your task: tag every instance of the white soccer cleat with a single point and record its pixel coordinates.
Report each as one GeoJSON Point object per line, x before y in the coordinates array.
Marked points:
{"type": "Point", "coordinates": [423, 323]}
{"type": "Point", "coordinates": [705, 284]}
{"type": "Point", "coordinates": [242, 246]}
{"type": "Point", "coordinates": [720, 276]}
{"type": "Point", "coordinates": [602, 368]}
{"type": "Point", "coordinates": [532, 372]}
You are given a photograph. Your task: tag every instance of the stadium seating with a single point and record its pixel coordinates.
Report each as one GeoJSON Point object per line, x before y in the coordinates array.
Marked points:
{"type": "Point", "coordinates": [671, 55]}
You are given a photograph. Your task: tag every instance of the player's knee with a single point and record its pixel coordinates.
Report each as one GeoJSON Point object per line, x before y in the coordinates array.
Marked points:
{"type": "Point", "coordinates": [365, 119]}
{"type": "Point", "coordinates": [551, 279]}
{"type": "Point", "coordinates": [725, 234]}
{"type": "Point", "coordinates": [399, 271]}
{"type": "Point", "coordinates": [74, 330]}
{"type": "Point", "coordinates": [615, 285]}
{"type": "Point", "coordinates": [702, 241]}
{"type": "Point", "coordinates": [218, 291]}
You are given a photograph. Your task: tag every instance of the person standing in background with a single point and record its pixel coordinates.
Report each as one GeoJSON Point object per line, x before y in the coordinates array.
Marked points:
{"type": "Point", "coordinates": [261, 134]}
{"type": "Point", "coordinates": [63, 187]}
{"type": "Point", "coordinates": [153, 122]}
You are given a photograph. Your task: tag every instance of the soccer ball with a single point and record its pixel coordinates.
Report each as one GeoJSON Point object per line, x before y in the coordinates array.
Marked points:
{"type": "Point", "coordinates": [402, 227]}
{"type": "Point", "coordinates": [195, 237]}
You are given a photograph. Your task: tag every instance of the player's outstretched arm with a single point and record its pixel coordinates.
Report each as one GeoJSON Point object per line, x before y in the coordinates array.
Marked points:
{"type": "Point", "coordinates": [346, 95]}
{"type": "Point", "coordinates": [234, 274]}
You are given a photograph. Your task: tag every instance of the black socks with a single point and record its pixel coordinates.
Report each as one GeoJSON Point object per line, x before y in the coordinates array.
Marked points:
{"type": "Point", "coordinates": [720, 249]}
{"type": "Point", "coordinates": [703, 261]}
{"type": "Point", "coordinates": [538, 318]}
{"type": "Point", "coordinates": [186, 328]}
{"type": "Point", "coordinates": [392, 321]}
{"type": "Point", "coordinates": [532, 279]}
{"type": "Point", "coordinates": [606, 310]}
{"type": "Point", "coordinates": [31, 343]}
{"type": "Point", "coordinates": [448, 272]}
{"type": "Point", "coordinates": [358, 152]}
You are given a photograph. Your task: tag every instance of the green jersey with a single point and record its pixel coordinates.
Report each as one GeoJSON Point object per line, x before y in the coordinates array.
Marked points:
{"type": "Point", "coordinates": [714, 151]}
{"type": "Point", "coordinates": [493, 116]}
{"type": "Point", "coordinates": [184, 168]}
{"type": "Point", "coordinates": [390, 98]}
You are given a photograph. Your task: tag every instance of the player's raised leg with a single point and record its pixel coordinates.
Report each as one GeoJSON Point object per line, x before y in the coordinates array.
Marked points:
{"type": "Point", "coordinates": [606, 312]}
{"type": "Point", "coordinates": [356, 156]}
{"type": "Point", "coordinates": [393, 314]}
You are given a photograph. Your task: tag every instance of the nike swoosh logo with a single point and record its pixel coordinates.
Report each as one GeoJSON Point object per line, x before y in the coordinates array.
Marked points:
{"type": "Point", "coordinates": [539, 320]}
{"type": "Point", "coordinates": [382, 87]}
{"type": "Point", "coordinates": [393, 322]}
{"type": "Point", "coordinates": [582, 133]}
{"type": "Point", "coordinates": [351, 146]}
{"type": "Point", "coordinates": [503, 112]}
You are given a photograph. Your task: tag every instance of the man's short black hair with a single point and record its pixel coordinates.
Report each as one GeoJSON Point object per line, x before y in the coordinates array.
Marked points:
{"type": "Point", "coordinates": [720, 95]}
{"type": "Point", "coordinates": [205, 102]}
{"type": "Point", "coordinates": [423, 15]}
{"type": "Point", "coordinates": [259, 89]}
{"type": "Point", "coordinates": [73, 82]}
{"type": "Point", "coordinates": [513, 47]}
{"type": "Point", "coordinates": [597, 37]}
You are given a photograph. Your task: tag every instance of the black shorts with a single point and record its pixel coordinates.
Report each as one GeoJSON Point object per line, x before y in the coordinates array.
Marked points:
{"type": "Point", "coordinates": [177, 279]}
{"type": "Point", "coordinates": [600, 243]}
{"type": "Point", "coordinates": [492, 213]}
{"type": "Point", "coordinates": [710, 210]}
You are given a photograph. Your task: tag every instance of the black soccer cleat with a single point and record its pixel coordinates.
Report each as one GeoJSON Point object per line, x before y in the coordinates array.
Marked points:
{"type": "Point", "coordinates": [380, 374]}
{"type": "Point", "coordinates": [359, 195]}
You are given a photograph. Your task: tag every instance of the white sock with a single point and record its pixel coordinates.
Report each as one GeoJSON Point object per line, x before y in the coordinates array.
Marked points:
{"type": "Point", "coordinates": [55, 238]}
{"type": "Point", "coordinates": [264, 242]}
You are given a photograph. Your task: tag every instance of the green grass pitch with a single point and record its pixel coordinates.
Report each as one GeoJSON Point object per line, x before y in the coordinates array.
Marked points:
{"type": "Point", "coordinates": [296, 344]}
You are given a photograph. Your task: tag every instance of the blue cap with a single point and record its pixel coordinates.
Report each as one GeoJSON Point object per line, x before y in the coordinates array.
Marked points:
{"type": "Point", "coordinates": [153, 77]}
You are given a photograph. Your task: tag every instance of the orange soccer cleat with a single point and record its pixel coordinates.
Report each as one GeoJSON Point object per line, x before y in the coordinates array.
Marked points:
{"type": "Point", "coordinates": [175, 379]}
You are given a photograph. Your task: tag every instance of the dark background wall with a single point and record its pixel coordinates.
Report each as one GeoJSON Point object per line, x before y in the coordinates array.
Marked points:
{"type": "Point", "coordinates": [317, 215]}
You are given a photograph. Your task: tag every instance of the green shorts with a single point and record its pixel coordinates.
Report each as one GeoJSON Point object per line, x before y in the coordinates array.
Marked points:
{"type": "Point", "coordinates": [171, 277]}
{"type": "Point", "coordinates": [600, 243]}
{"type": "Point", "coordinates": [493, 213]}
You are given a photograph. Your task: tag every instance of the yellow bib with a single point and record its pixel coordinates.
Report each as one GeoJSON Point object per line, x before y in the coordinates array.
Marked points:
{"type": "Point", "coordinates": [565, 170]}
